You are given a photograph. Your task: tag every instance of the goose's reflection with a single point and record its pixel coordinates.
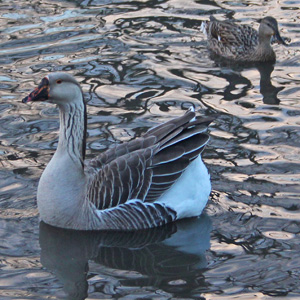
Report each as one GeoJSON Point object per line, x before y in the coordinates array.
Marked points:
{"type": "Point", "coordinates": [164, 255]}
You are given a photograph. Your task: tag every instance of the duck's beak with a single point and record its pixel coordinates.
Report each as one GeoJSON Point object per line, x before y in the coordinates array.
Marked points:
{"type": "Point", "coordinates": [279, 38]}
{"type": "Point", "coordinates": [41, 93]}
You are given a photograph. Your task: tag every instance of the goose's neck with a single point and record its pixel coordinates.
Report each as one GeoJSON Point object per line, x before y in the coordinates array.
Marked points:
{"type": "Point", "coordinates": [72, 133]}
{"type": "Point", "coordinates": [62, 187]}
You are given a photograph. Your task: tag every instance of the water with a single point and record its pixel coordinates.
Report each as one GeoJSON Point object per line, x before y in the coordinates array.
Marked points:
{"type": "Point", "coordinates": [141, 63]}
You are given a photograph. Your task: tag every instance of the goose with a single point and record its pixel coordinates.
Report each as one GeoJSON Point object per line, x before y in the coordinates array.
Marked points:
{"type": "Point", "coordinates": [241, 42]}
{"type": "Point", "coordinates": [143, 183]}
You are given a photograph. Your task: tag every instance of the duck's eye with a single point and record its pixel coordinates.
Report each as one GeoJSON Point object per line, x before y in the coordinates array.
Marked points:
{"type": "Point", "coordinates": [269, 25]}
{"type": "Point", "coordinates": [59, 81]}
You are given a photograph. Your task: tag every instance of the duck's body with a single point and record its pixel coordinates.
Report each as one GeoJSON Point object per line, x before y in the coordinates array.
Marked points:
{"type": "Point", "coordinates": [144, 183]}
{"type": "Point", "coordinates": [242, 43]}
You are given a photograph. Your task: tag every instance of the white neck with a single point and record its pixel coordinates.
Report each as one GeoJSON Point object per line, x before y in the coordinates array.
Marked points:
{"type": "Point", "coordinates": [62, 187]}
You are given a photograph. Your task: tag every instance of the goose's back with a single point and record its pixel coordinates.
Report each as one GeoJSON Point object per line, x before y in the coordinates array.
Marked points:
{"type": "Point", "coordinates": [145, 168]}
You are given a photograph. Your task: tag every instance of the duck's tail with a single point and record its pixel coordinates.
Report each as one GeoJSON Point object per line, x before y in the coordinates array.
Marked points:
{"type": "Point", "coordinates": [203, 27]}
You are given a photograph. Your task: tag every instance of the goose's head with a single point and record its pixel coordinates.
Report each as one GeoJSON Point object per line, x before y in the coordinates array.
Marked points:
{"type": "Point", "coordinates": [269, 27]}
{"type": "Point", "coordinates": [58, 88]}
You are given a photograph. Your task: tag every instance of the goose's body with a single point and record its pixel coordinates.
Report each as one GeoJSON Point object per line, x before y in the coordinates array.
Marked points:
{"type": "Point", "coordinates": [144, 183]}
{"type": "Point", "coordinates": [241, 42]}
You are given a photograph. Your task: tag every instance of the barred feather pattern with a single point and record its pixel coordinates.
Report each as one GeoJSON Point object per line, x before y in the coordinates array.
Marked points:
{"type": "Point", "coordinates": [136, 215]}
{"type": "Point", "coordinates": [142, 170]}
{"type": "Point", "coordinates": [144, 183]}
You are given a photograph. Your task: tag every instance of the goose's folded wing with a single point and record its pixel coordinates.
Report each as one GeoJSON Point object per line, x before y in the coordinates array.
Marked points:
{"type": "Point", "coordinates": [119, 150]}
{"type": "Point", "coordinates": [126, 177]}
{"type": "Point", "coordinates": [136, 215]}
{"type": "Point", "coordinates": [151, 137]}
{"type": "Point", "coordinates": [173, 158]}
{"type": "Point", "coordinates": [146, 173]}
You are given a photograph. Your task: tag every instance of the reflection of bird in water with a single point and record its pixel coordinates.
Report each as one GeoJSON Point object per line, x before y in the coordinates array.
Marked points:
{"type": "Point", "coordinates": [242, 42]}
{"type": "Point", "coordinates": [233, 75]}
{"type": "Point", "coordinates": [175, 252]}
{"type": "Point", "coordinates": [147, 182]}
{"type": "Point", "coordinates": [268, 91]}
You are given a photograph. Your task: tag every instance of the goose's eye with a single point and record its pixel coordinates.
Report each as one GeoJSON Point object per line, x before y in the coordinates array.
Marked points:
{"type": "Point", "coordinates": [59, 81]}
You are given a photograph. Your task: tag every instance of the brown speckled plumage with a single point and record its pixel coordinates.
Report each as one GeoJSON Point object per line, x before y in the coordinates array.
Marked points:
{"type": "Point", "coordinates": [242, 42]}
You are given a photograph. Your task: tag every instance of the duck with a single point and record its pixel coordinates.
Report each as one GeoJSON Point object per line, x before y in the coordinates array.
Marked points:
{"type": "Point", "coordinates": [242, 43]}
{"type": "Point", "coordinates": [146, 182]}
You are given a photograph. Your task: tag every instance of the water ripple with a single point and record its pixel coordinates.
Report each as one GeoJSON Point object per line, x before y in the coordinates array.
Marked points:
{"type": "Point", "coordinates": [141, 63]}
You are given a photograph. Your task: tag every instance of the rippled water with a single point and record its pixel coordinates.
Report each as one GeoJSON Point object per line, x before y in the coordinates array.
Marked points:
{"type": "Point", "coordinates": [141, 63]}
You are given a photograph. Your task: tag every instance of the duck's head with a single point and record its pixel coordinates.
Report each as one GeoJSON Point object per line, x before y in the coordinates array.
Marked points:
{"type": "Point", "coordinates": [59, 88]}
{"type": "Point", "coordinates": [269, 27]}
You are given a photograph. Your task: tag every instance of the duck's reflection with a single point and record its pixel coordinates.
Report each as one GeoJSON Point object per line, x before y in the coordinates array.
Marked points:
{"type": "Point", "coordinates": [267, 89]}
{"type": "Point", "coordinates": [232, 73]}
{"type": "Point", "coordinates": [165, 256]}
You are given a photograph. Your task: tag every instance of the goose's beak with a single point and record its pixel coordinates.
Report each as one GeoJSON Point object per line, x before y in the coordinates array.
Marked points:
{"type": "Point", "coordinates": [41, 93]}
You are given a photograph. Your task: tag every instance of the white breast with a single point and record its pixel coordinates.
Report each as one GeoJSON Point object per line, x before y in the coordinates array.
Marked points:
{"type": "Point", "coordinates": [189, 195]}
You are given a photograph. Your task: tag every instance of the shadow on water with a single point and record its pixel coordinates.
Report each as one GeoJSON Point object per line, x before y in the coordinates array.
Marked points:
{"type": "Point", "coordinates": [171, 258]}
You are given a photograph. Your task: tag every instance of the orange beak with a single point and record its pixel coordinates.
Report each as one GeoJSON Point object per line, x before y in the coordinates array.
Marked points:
{"type": "Point", "coordinates": [41, 93]}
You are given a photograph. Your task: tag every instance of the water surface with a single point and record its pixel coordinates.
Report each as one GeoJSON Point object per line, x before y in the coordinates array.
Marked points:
{"type": "Point", "coordinates": [141, 63]}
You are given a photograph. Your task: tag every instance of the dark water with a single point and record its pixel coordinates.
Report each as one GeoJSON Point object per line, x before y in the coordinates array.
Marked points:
{"type": "Point", "coordinates": [140, 63]}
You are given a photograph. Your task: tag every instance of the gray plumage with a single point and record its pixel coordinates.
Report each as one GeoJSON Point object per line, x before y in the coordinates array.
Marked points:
{"type": "Point", "coordinates": [135, 185]}
{"type": "Point", "coordinates": [145, 167]}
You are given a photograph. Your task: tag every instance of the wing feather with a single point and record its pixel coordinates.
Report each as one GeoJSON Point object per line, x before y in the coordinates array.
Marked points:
{"type": "Point", "coordinates": [146, 167]}
{"type": "Point", "coordinates": [229, 39]}
{"type": "Point", "coordinates": [136, 215]}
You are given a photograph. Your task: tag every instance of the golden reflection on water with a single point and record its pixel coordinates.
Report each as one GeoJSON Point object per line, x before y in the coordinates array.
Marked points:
{"type": "Point", "coordinates": [141, 63]}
